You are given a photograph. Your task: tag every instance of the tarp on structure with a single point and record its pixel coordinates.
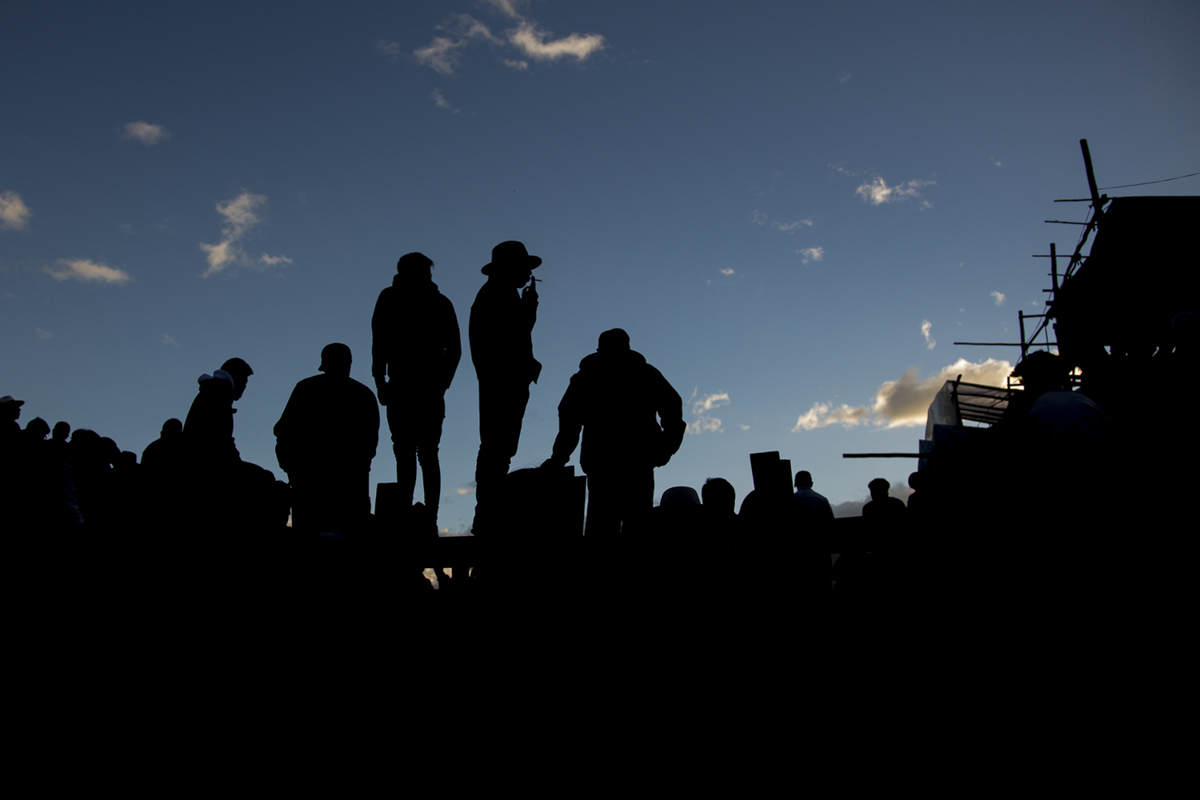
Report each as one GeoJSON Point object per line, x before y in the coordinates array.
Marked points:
{"type": "Point", "coordinates": [958, 402]}
{"type": "Point", "coordinates": [1142, 271]}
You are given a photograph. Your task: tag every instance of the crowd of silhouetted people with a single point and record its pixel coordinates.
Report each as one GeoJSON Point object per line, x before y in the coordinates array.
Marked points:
{"type": "Point", "coordinates": [192, 513]}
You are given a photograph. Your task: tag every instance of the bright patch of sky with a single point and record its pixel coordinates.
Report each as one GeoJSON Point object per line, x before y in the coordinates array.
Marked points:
{"type": "Point", "coordinates": [781, 226]}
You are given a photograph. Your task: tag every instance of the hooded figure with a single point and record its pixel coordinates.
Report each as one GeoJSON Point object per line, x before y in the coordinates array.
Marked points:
{"type": "Point", "coordinates": [415, 352]}
{"type": "Point", "coordinates": [632, 422]}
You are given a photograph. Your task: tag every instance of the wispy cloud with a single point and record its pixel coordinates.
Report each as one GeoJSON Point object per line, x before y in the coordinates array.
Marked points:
{"type": "Point", "coordinates": [145, 133]}
{"type": "Point", "coordinates": [441, 55]}
{"type": "Point", "coordinates": [822, 415]}
{"type": "Point", "coordinates": [41, 334]}
{"type": "Point", "coordinates": [389, 50]}
{"type": "Point", "coordinates": [999, 297]}
{"type": "Point", "coordinates": [168, 340]}
{"type": "Point", "coordinates": [876, 192]}
{"type": "Point", "coordinates": [926, 327]}
{"type": "Point", "coordinates": [83, 269]}
{"type": "Point", "coordinates": [703, 408]}
{"type": "Point", "coordinates": [904, 402]}
{"type": "Point", "coordinates": [790, 227]}
{"type": "Point", "coordinates": [996, 162]}
{"type": "Point", "coordinates": [441, 102]}
{"type": "Point", "coordinates": [535, 43]}
{"type": "Point", "coordinates": [727, 271]}
{"type": "Point", "coordinates": [465, 490]}
{"type": "Point", "coordinates": [808, 254]}
{"type": "Point", "coordinates": [14, 214]}
{"type": "Point", "coordinates": [843, 76]}
{"type": "Point", "coordinates": [759, 218]}
{"type": "Point", "coordinates": [241, 215]}
{"type": "Point", "coordinates": [444, 53]}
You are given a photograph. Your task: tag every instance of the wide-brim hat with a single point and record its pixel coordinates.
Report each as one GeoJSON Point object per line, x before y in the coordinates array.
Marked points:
{"type": "Point", "coordinates": [8, 398]}
{"type": "Point", "coordinates": [507, 255]}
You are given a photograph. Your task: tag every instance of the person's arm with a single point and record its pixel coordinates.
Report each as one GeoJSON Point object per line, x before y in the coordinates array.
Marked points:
{"type": "Point", "coordinates": [453, 345]}
{"type": "Point", "coordinates": [380, 341]}
{"type": "Point", "coordinates": [570, 425]}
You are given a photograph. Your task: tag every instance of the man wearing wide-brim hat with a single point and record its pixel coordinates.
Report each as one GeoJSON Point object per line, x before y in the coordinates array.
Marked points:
{"type": "Point", "coordinates": [501, 336]}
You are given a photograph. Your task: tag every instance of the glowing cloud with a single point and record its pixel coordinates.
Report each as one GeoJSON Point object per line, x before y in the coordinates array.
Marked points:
{"type": "Point", "coordinates": [531, 40]}
{"type": "Point", "coordinates": [808, 254]}
{"type": "Point", "coordinates": [727, 271]}
{"type": "Point", "coordinates": [86, 270]}
{"type": "Point", "coordinates": [790, 227]}
{"type": "Point", "coordinates": [241, 216]}
{"type": "Point", "coordinates": [14, 214]}
{"type": "Point", "coordinates": [926, 327]}
{"type": "Point", "coordinates": [876, 192]}
{"type": "Point", "coordinates": [145, 133]}
{"type": "Point", "coordinates": [702, 408]}
{"type": "Point", "coordinates": [905, 402]}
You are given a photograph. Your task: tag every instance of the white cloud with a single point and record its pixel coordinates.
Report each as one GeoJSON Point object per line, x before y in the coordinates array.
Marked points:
{"type": "Point", "coordinates": [703, 407]}
{"type": "Point", "coordinates": [14, 214]}
{"type": "Point", "coordinates": [843, 76]}
{"type": "Point", "coordinates": [441, 54]}
{"type": "Point", "coordinates": [516, 64]}
{"type": "Point", "coordinates": [926, 327]}
{"type": "Point", "coordinates": [83, 269]}
{"type": "Point", "coordinates": [389, 50]}
{"type": "Point", "coordinates": [759, 218]}
{"type": "Point", "coordinates": [995, 162]}
{"type": "Point", "coordinates": [531, 40]}
{"type": "Point", "coordinates": [877, 192]}
{"type": "Point", "coordinates": [168, 340]}
{"type": "Point", "coordinates": [823, 414]}
{"type": "Point", "coordinates": [999, 298]}
{"type": "Point", "coordinates": [41, 334]}
{"type": "Point", "coordinates": [904, 402]}
{"type": "Point", "coordinates": [808, 254]}
{"type": "Point", "coordinates": [241, 216]}
{"type": "Point", "coordinates": [440, 100]}
{"type": "Point", "coordinates": [727, 271]}
{"type": "Point", "coordinates": [789, 227]}
{"type": "Point", "coordinates": [743, 427]}
{"type": "Point", "coordinates": [146, 133]}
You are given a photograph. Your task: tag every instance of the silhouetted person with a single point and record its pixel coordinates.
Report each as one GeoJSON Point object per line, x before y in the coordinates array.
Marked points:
{"type": "Point", "coordinates": [215, 470]}
{"type": "Point", "coordinates": [882, 507]}
{"type": "Point", "coordinates": [811, 507]}
{"type": "Point", "coordinates": [209, 422]}
{"type": "Point", "coordinates": [325, 442]}
{"type": "Point", "coordinates": [624, 439]}
{"type": "Point", "coordinates": [501, 334]}
{"type": "Point", "coordinates": [165, 452]}
{"type": "Point", "coordinates": [10, 412]}
{"type": "Point", "coordinates": [415, 343]}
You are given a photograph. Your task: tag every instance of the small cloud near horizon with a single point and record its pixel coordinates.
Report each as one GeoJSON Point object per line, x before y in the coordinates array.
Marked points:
{"type": "Point", "coordinates": [926, 327]}
{"type": "Point", "coordinates": [703, 408]}
{"type": "Point", "coordinates": [999, 298]}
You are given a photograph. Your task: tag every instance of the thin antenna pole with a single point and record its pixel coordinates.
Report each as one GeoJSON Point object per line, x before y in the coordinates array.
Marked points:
{"type": "Point", "coordinates": [1091, 174]}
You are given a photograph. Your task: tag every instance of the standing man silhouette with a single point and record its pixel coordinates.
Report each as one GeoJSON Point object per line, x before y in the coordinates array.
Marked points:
{"type": "Point", "coordinates": [501, 334]}
{"type": "Point", "coordinates": [325, 442]}
{"type": "Point", "coordinates": [415, 343]}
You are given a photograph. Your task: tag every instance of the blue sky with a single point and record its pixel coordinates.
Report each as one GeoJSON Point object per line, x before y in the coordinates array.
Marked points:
{"type": "Point", "coordinates": [794, 209]}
